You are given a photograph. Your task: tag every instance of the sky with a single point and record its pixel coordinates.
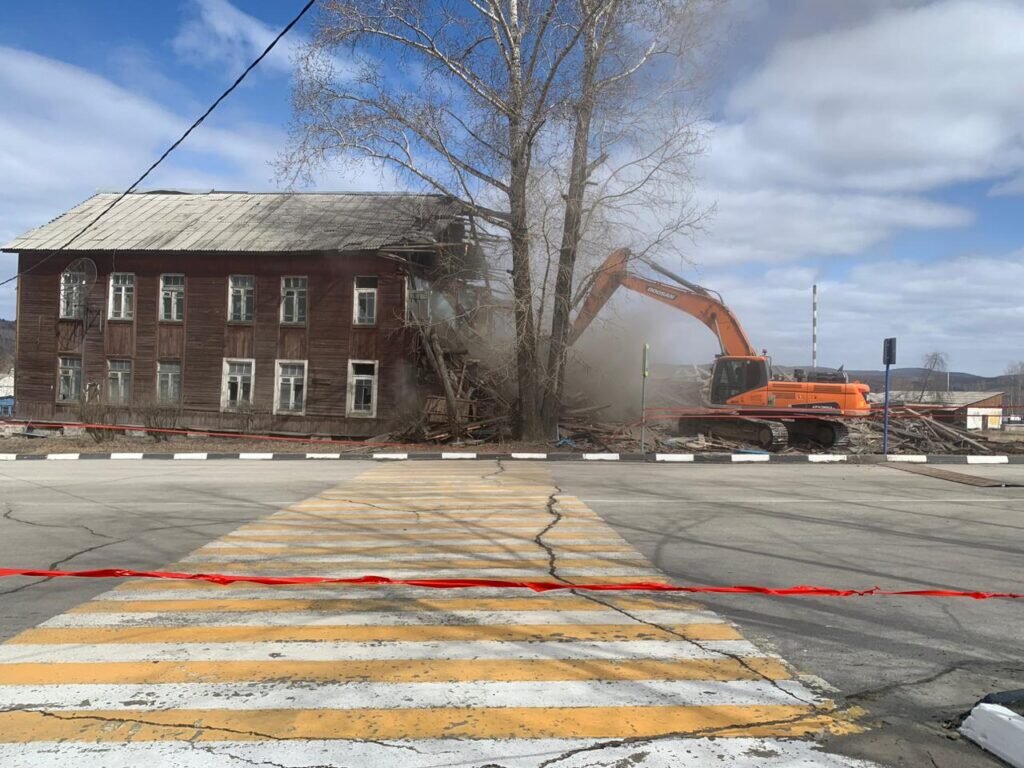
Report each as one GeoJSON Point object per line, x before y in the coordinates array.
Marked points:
{"type": "Point", "coordinates": [875, 148]}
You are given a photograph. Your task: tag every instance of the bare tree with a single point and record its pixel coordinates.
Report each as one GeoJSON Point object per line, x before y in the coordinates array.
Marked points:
{"type": "Point", "coordinates": [468, 97]}
{"type": "Point", "coordinates": [933, 362]}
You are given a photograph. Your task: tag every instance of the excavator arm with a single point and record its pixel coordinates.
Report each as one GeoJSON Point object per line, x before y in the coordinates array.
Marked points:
{"type": "Point", "coordinates": [690, 298]}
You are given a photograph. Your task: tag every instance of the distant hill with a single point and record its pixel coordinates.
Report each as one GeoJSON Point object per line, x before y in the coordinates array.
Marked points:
{"type": "Point", "coordinates": [6, 345]}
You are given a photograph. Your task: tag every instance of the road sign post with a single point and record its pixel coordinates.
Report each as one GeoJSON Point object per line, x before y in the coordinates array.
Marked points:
{"type": "Point", "coordinates": [643, 401]}
{"type": "Point", "coordinates": [888, 358]}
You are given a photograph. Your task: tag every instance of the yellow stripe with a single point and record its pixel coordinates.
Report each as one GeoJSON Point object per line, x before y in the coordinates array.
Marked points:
{"type": "Point", "coordinates": [610, 564]}
{"type": "Point", "coordinates": [481, 549]}
{"type": "Point", "coordinates": [245, 534]}
{"type": "Point", "coordinates": [510, 723]}
{"type": "Point", "coordinates": [365, 634]}
{"type": "Point", "coordinates": [391, 671]}
{"type": "Point", "coordinates": [399, 605]}
{"type": "Point", "coordinates": [158, 584]}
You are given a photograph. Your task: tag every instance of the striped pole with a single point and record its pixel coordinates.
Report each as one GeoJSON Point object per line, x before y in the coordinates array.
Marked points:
{"type": "Point", "coordinates": [814, 327]}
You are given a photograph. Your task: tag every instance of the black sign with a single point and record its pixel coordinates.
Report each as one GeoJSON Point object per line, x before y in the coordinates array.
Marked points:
{"type": "Point", "coordinates": [889, 352]}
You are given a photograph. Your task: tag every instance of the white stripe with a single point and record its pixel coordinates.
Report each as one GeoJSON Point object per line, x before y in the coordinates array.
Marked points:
{"type": "Point", "coordinates": [907, 458]}
{"type": "Point", "coordinates": [538, 573]}
{"type": "Point", "coordinates": [680, 457]}
{"type": "Point", "coordinates": [190, 456]}
{"type": "Point", "coordinates": [826, 457]}
{"type": "Point", "coordinates": [449, 455]}
{"type": "Point", "coordinates": [126, 456]}
{"type": "Point", "coordinates": [323, 455]}
{"type": "Point", "coordinates": [286, 694]}
{"type": "Point", "coordinates": [256, 456]}
{"type": "Point", "coordinates": [220, 555]}
{"type": "Point", "coordinates": [209, 591]}
{"type": "Point", "coordinates": [430, 753]}
{"type": "Point", "coordinates": [61, 456]}
{"type": "Point", "coordinates": [261, 540]}
{"type": "Point", "coordinates": [8, 456]}
{"type": "Point", "coordinates": [321, 650]}
{"type": "Point", "coordinates": [394, 456]}
{"type": "Point", "coordinates": [988, 459]}
{"type": "Point", "coordinates": [600, 456]}
{"type": "Point", "coordinates": [743, 458]}
{"type": "Point", "coordinates": [529, 455]}
{"type": "Point", "coordinates": [373, 618]}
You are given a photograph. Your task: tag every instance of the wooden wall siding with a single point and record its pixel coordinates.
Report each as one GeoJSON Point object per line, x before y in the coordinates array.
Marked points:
{"type": "Point", "coordinates": [327, 342]}
{"type": "Point", "coordinates": [170, 341]}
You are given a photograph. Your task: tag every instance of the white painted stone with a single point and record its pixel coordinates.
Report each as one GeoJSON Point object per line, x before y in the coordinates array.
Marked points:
{"type": "Point", "coordinates": [998, 730]}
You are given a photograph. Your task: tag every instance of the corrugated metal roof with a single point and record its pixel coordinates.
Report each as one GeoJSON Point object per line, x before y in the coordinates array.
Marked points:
{"type": "Point", "coordinates": [914, 397]}
{"type": "Point", "coordinates": [245, 222]}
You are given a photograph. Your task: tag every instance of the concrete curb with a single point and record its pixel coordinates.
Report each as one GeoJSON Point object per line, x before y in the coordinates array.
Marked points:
{"type": "Point", "coordinates": [651, 458]}
{"type": "Point", "coordinates": [997, 730]}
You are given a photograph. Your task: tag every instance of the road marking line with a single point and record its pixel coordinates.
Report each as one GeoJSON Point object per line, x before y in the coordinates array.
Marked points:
{"type": "Point", "coordinates": [988, 459]}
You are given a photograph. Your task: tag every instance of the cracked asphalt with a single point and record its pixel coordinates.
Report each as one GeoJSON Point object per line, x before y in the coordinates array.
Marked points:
{"type": "Point", "coordinates": [912, 665]}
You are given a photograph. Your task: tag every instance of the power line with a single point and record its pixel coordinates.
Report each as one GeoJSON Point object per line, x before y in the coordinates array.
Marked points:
{"type": "Point", "coordinates": [171, 148]}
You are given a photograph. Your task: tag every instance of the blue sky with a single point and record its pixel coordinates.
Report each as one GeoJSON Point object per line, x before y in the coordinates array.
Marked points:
{"type": "Point", "coordinates": [874, 147]}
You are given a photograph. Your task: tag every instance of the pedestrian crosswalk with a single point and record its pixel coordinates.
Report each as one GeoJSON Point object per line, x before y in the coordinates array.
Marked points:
{"type": "Point", "coordinates": [195, 674]}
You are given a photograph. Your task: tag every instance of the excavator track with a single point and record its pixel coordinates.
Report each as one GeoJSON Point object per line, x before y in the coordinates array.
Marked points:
{"type": "Point", "coordinates": [828, 433]}
{"type": "Point", "coordinates": [768, 434]}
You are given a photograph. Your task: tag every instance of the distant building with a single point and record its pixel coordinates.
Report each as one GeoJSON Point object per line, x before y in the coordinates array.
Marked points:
{"type": "Point", "coordinates": [275, 312]}
{"type": "Point", "coordinates": [7, 394]}
{"type": "Point", "coordinates": [970, 410]}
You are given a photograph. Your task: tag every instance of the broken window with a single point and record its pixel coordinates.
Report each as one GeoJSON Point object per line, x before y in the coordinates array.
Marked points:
{"type": "Point", "coordinates": [291, 386]}
{"type": "Point", "coordinates": [362, 388]}
{"type": "Point", "coordinates": [293, 300]}
{"type": "Point", "coordinates": [417, 301]}
{"type": "Point", "coordinates": [241, 297]}
{"type": "Point", "coordinates": [69, 386]}
{"type": "Point", "coordinates": [237, 391]}
{"type": "Point", "coordinates": [365, 305]}
{"type": "Point", "coordinates": [72, 294]}
{"type": "Point", "coordinates": [168, 382]}
{"type": "Point", "coordinates": [119, 382]}
{"type": "Point", "coordinates": [172, 297]}
{"type": "Point", "coordinates": [122, 296]}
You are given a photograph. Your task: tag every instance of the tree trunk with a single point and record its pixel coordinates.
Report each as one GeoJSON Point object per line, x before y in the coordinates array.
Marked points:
{"type": "Point", "coordinates": [436, 357]}
{"type": "Point", "coordinates": [527, 373]}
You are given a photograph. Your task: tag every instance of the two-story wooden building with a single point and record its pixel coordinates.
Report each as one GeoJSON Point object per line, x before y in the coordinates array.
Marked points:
{"type": "Point", "coordinates": [289, 309]}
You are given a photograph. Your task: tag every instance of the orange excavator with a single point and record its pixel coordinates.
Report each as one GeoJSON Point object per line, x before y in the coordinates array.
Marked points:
{"type": "Point", "coordinates": [745, 401]}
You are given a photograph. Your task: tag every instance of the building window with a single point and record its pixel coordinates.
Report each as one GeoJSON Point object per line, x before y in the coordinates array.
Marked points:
{"type": "Point", "coordinates": [293, 300]}
{"type": "Point", "coordinates": [236, 392]}
{"type": "Point", "coordinates": [365, 305]}
{"type": "Point", "coordinates": [417, 301]}
{"type": "Point", "coordinates": [241, 297]}
{"type": "Point", "coordinates": [69, 387]}
{"type": "Point", "coordinates": [119, 382]}
{"type": "Point", "coordinates": [168, 383]}
{"type": "Point", "coordinates": [122, 296]}
{"type": "Point", "coordinates": [362, 388]}
{"type": "Point", "coordinates": [290, 396]}
{"type": "Point", "coordinates": [172, 297]}
{"type": "Point", "coordinates": [72, 294]}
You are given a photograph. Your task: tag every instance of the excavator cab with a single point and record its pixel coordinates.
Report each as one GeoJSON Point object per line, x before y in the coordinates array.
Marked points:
{"type": "Point", "coordinates": [733, 376]}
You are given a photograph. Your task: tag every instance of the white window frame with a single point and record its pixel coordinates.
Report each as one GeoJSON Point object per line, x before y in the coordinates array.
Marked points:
{"type": "Point", "coordinates": [160, 373]}
{"type": "Point", "coordinates": [76, 291]}
{"type": "Point", "coordinates": [126, 290]}
{"type": "Point", "coordinates": [124, 379]}
{"type": "Point", "coordinates": [350, 396]}
{"type": "Point", "coordinates": [293, 293]}
{"type": "Point", "coordinates": [277, 388]}
{"type": "Point", "coordinates": [356, 291]}
{"type": "Point", "coordinates": [224, 382]}
{"type": "Point", "coordinates": [60, 375]}
{"type": "Point", "coordinates": [174, 292]}
{"type": "Point", "coordinates": [252, 302]}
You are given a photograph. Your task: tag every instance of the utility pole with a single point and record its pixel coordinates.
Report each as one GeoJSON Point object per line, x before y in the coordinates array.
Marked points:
{"type": "Point", "coordinates": [814, 327]}
{"type": "Point", "coordinates": [888, 358]}
{"type": "Point", "coordinates": [643, 401]}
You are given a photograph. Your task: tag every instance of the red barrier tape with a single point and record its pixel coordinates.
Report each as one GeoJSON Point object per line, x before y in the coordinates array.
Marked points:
{"type": "Point", "coordinates": [535, 586]}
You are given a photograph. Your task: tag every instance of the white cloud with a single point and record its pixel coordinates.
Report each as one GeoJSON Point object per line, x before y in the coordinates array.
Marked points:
{"type": "Point", "coordinates": [222, 34]}
{"type": "Point", "coordinates": [833, 144]}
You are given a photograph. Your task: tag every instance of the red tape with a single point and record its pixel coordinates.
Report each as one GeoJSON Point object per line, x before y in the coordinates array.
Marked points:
{"type": "Point", "coordinates": [535, 586]}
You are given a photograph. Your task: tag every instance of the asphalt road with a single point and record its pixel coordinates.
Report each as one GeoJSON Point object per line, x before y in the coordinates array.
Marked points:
{"type": "Point", "coordinates": [912, 664]}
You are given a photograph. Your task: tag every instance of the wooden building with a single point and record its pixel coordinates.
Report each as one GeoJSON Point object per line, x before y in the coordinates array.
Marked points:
{"type": "Point", "coordinates": [275, 312]}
